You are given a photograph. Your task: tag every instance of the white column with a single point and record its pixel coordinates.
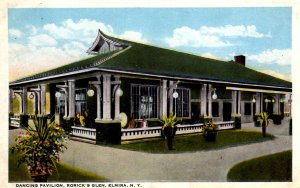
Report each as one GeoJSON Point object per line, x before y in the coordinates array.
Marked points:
{"type": "Point", "coordinates": [163, 98]}
{"type": "Point", "coordinates": [24, 101]}
{"type": "Point", "coordinates": [10, 101]}
{"type": "Point", "coordinates": [117, 98]}
{"type": "Point", "coordinates": [203, 100]}
{"type": "Point", "coordinates": [71, 91]}
{"type": "Point", "coordinates": [220, 108]}
{"type": "Point", "coordinates": [257, 103]}
{"type": "Point", "coordinates": [43, 98]}
{"type": "Point", "coordinates": [209, 100]}
{"type": "Point", "coordinates": [276, 105]}
{"type": "Point", "coordinates": [171, 96]}
{"type": "Point", "coordinates": [233, 103]}
{"type": "Point", "coordinates": [106, 97]}
{"type": "Point", "coordinates": [239, 102]}
{"type": "Point", "coordinates": [261, 102]}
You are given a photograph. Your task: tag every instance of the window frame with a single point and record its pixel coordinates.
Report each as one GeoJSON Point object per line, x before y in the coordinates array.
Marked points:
{"type": "Point", "coordinates": [135, 99]}
{"type": "Point", "coordinates": [189, 102]}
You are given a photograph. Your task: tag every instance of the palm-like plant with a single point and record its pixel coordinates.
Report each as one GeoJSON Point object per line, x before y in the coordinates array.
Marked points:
{"type": "Point", "coordinates": [263, 119]}
{"type": "Point", "coordinates": [40, 146]}
{"type": "Point", "coordinates": [169, 128]}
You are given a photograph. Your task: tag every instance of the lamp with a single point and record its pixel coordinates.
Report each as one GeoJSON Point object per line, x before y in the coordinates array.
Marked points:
{"type": "Point", "coordinates": [214, 96]}
{"type": "Point", "coordinates": [175, 94]}
{"type": "Point", "coordinates": [90, 92]}
{"type": "Point", "coordinates": [119, 92]}
{"type": "Point", "coordinates": [253, 99]}
{"type": "Point", "coordinates": [273, 100]}
{"type": "Point", "coordinates": [57, 94]}
{"type": "Point", "coordinates": [31, 96]}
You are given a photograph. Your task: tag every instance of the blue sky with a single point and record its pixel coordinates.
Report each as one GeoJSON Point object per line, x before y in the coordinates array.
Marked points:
{"type": "Point", "coordinates": [41, 39]}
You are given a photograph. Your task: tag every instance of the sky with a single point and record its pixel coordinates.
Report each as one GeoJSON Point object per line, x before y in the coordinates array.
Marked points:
{"type": "Point", "coordinates": [41, 38]}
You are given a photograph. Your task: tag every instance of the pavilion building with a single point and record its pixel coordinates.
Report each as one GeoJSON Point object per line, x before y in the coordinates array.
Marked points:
{"type": "Point", "coordinates": [133, 83]}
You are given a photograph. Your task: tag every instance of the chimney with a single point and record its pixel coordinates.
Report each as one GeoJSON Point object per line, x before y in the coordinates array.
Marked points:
{"type": "Point", "coordinates": [240, 59]}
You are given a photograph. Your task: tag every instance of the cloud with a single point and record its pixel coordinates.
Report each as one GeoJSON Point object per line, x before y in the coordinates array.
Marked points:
{"type": "Point", "coordinates": [275, 56]}
{"type": "Point", "coordinates": [38, 59]}
{"type": "Point", "coordinates": [185, 36]}
{"type": "Point", "coordinates": [32, 29]}
{"type": "Point", "coordinates": [42, 40]}
{"type": "Point", "coordinates": [14, 33]}
{"type": "Point", "coordinates": [211, 36]}
{"type": "Point", "coordinates": [133, 35]}
{"type": "Point", "coordinates": [84, 30]}
{"type": "Point", "coordinates": [276, 74]}
{"type": "Point", "coordinates": [209, 55]}
{"type": "Point", "coordinates": [233, 31]}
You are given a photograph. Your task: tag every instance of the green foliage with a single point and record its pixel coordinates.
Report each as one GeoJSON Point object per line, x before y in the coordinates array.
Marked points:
{"type": "Point", "coordinates": [169, 121]}
{"type": "Point", "coordinates": [66, 173]}
{"type": "Point", "coordinates": [209, 127]}
{"type": "Point", "coordinates": [40, 146]}
{"type": "Point", "coordinates": [263, 119]}
{"type": "Point", "coordinates": [274, 167]}
{"type": "Point", "coordinates": [190, 143]}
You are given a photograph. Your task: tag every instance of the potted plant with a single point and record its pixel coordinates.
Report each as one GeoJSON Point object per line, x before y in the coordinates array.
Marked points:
{"type": "Point", "coordinates": [277, 118]}
{"type": "Point", "coordinates": [237, 121]}
{"type": "Point", "coordinates": [210, 131]}
{"type": "Point", "coordinates": [256, 120]}
{"type": "Point", "coordinates": [40, 146]}
{"type": "Point", "coordinates": [263, 119]}
{"type": "Point", "coordinates": [169, 129]}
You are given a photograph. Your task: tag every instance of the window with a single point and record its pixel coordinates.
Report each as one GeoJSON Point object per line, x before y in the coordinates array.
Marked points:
{"type": "Point", "coordinates": [181, 105]}
{"type": "Point", "coordinates": [247, 108]}
{"type": "Point", "coordinates": [215, 109]}
{"type": "Point", "coordinates": [144, 101]}
{"type": "Point", "coordinates": [80, 100]}
{"type": "Point", "coordinates": [60, 104]}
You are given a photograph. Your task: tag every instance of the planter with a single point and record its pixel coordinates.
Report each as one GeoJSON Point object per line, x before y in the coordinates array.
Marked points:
{"type": "Point", "coordinates": [67, 124]}
{"type": "Point", "coordinates": [256, 122]}
{"type": "Point", "coordinates": [170, 132]}
{"type": "Point", "coordinates": [277, 119]}
{"type": "Point", "coordinates": [210, 136]}
{"type": "Point", "coordinates": [108, 132]}
{"type": "Point", "coordinates": [237, 122]}
{"type": "Point", "coordinates": [24, 120]}
{"type": "Point", "coordinates": [205, 119]}
{"type": "Point", "coordinates": [39, 177]}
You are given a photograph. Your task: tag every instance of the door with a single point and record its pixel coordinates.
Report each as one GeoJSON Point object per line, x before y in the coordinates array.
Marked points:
{"type": "Point", "coordinates": [226, 111]}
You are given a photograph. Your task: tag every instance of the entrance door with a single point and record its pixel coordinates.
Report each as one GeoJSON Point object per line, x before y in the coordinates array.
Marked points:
{"type": "Point", "coordinates": [226, 111]}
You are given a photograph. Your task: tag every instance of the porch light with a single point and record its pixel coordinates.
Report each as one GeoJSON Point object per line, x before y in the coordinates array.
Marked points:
{"type": "Point", "coordinates": [90, 92]}
{"type": "Point", "coordinates": [31, 96]}
{"type": "Point", "coordinates": [253, 99]}
{"type": "Point", "coordinates": [273, 100]}
{"type": "Point", "coordinates": [214, 96]}
{"type": "Point", "coordinates": [175, 94]}
{"type": "Point", "coordinates": [57, 94]}
{"type": "Point", "coordinates": [267, 100]}
{"type": "Point", "coordinates": [119, 92]}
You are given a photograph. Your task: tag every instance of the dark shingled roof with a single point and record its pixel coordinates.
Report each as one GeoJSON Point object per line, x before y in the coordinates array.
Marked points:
{"type": "Point", "coordinates": [142, 58]}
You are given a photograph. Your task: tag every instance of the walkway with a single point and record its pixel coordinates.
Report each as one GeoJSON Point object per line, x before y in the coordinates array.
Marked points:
{"type": "Point", "coordinates": [123, 165]}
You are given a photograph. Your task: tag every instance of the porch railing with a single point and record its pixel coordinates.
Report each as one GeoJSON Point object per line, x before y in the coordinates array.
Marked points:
{"type": "Point", "coordinates": [15, 120]}
{"type": "Point", "coordinates": [82, 132]}
{"type": "Point", "coordinates": [150, 132]}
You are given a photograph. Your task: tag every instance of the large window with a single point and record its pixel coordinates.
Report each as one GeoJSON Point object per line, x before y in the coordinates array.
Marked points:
{"type": "Point", "coordinates": [181, 105]}
{"type": "Point", "coordinates": [80, 100]}
{"type": "Point", "coordinates": [144, 101]}
{"type": "Point", "coordinates": [60, 104]}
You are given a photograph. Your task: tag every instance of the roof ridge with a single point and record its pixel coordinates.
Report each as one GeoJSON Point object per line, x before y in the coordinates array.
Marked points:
{"type": "Point", "coordinates": [110, 56]}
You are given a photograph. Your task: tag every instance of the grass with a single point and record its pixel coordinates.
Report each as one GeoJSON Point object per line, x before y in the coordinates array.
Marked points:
{"type": "Point", "coordinates": [274, 167]}
{"type": "Point", "coordinates": [190, 143]}
{"type": "Point", "coordinates": [66, 173]}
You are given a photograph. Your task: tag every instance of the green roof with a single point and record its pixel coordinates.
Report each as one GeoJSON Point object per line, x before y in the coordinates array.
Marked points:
{"type": "Point", "coordinates": [142, 58]}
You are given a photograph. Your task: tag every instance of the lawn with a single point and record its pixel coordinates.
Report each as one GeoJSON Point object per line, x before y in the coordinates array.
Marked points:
{"type": "Point", "coordinates": [195, 142]}
{"type": "Point", "coordinates": [66, 173]}
{"type": "Point", "coordinates": [269, 168]}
